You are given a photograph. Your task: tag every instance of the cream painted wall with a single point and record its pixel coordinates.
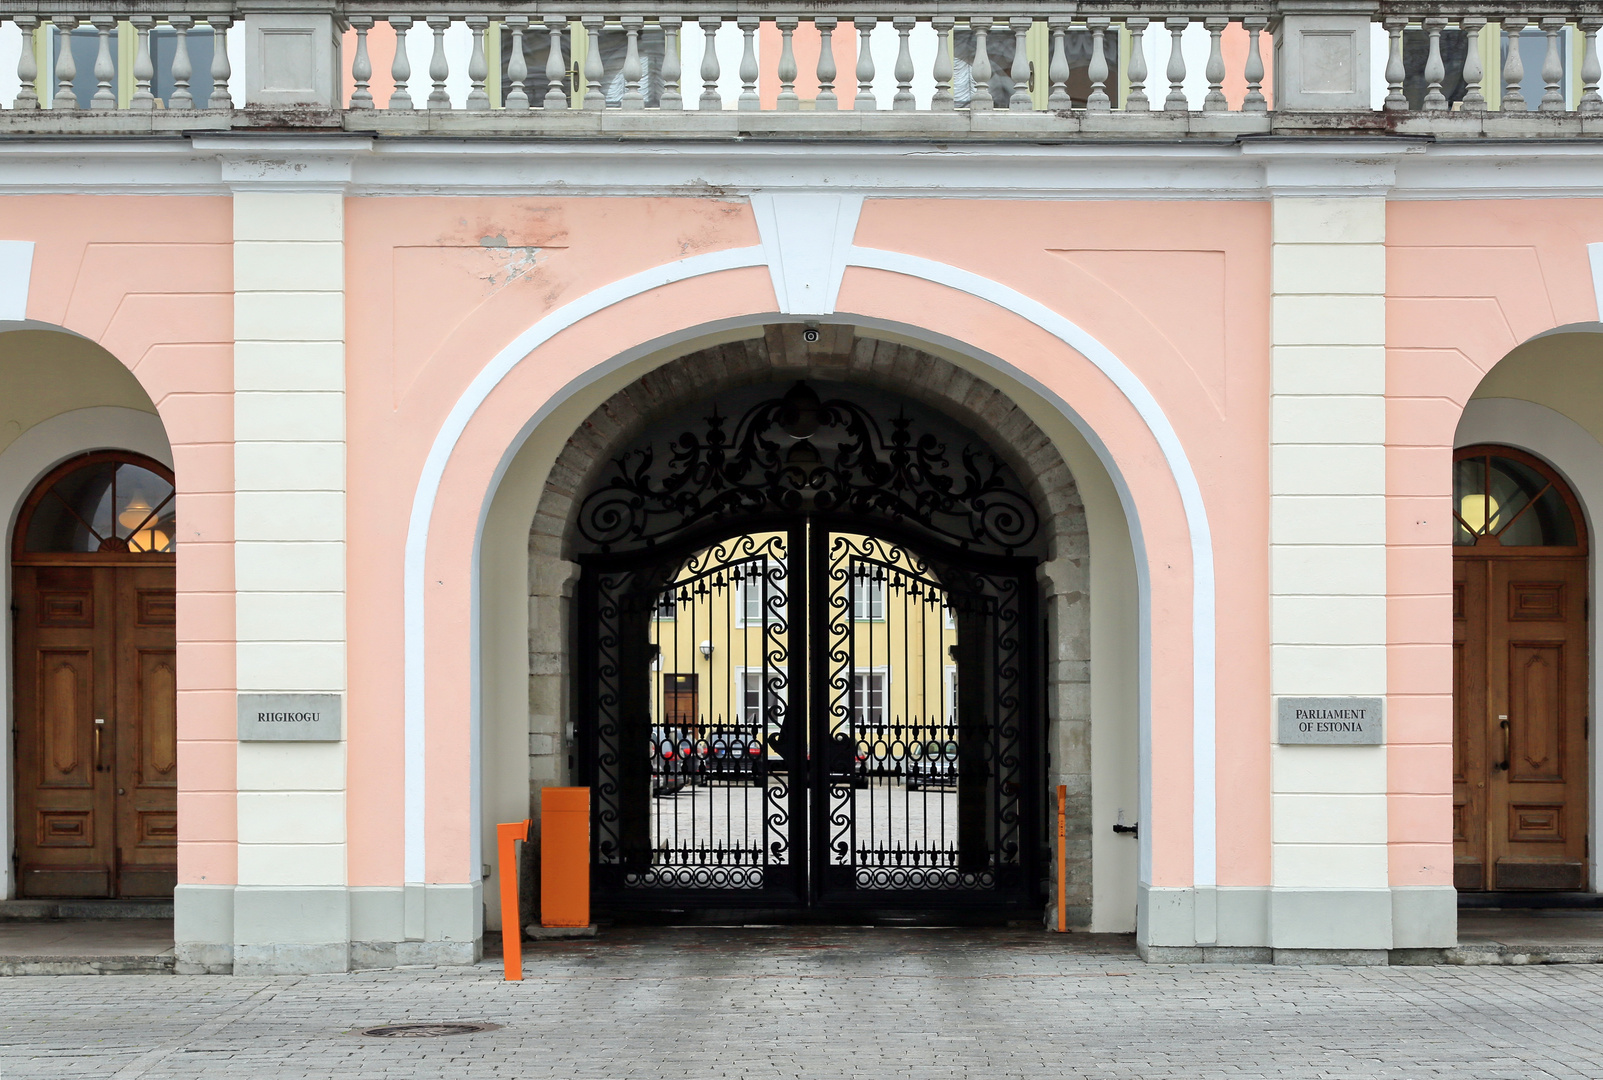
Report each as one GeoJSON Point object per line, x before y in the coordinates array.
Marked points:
{"type": "Point", "coordinates": [45, 373]}
{"type": "Point", "coordinates": [509, 722]}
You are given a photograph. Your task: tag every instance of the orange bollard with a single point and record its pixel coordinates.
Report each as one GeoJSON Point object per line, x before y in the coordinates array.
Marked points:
{"type": "Point", "coordinates": [565, 856]}
{"type": "Point", "coordinates": [507, 836]}
{"type": "Point", "coordinates": [1063, 862]}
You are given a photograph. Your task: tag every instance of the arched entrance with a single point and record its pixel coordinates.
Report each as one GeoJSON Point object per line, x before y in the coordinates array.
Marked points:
{"type": "Point", "coordinates": [95, 676]}
{"type": "Point", "coordinates": [1520, 609]}
{"type": "Point", "coordinates": [810, 662]}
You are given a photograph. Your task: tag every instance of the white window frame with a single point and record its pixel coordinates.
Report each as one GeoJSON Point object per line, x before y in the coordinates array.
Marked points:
{"type": "Point", "coordinates": [875, 592]}
{"type": "Point", "coordinates": [884, 673]}
{"type": "Point", "coordinates": [743, 595]}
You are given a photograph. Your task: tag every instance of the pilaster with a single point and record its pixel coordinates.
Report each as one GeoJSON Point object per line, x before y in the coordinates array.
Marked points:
{"type": "Point", "coordinates": [1329, 877]}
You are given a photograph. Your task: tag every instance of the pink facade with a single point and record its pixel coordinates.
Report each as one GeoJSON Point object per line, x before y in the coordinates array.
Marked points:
{"type": "Point", "coordinates": [1150, 337]}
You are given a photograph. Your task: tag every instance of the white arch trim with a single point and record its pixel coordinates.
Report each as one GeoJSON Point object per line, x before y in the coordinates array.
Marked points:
{"type": "Point", "coordinates": [22, 465]}
{"type": "Point", "coordinates": [1204, 845]}
{"type": "Point", "coordinates": [1578, 457]}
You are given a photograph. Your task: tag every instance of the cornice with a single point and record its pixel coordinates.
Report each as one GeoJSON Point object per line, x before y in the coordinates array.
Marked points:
{"type": "Point", "coordinates": [1249, 169]}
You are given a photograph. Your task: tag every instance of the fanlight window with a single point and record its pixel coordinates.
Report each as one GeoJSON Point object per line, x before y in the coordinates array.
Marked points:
{"type": "Point", "coordinates": [1499, 499]}
{"type": "Point", "coordinates": [104, 505]}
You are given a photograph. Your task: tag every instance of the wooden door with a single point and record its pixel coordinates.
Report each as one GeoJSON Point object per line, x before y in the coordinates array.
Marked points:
{"type": "Point", "coordinates": [679, 702]}
{"type": "Point", "coordinates": [1520, 675]}
{"type": "Point", "coordinates": [96, 733]}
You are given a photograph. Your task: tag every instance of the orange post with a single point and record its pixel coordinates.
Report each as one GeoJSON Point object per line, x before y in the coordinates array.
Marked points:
{"type": "Point", "coordinates": [565, 856]}
{"type": "Point", "coordinates": [1063, 863]}
{"type": "Point", "coordinates": [507, 836]}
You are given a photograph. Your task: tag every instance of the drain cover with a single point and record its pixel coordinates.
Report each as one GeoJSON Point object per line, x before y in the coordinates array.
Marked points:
{"type": "Point", "coordinates": [425, 1030]}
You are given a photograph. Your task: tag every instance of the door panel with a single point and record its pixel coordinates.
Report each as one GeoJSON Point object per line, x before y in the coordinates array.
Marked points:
{"type": "Point", "coordinates": [1537, 643]}
{"type": "Point", "coordinates": [65, 793]}
{"type": "Point", "coordinates": [147, 731]}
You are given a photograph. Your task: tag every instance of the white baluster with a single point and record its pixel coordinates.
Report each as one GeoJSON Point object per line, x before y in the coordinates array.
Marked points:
{"type": "Point", "coordinates": [826, 101]}
{"type": "Point", "coordinates": [749, 100]}
{"type": "Point", "coordinates": [942, 100]}
{"type": "Point", "coordinates": [439, 66]}
{"type": "Point", "coordinates": [221, 70]}
{"type": "Point", "coordinates": [633, 99]}
{"type": "Point", "coordinates": [1057, 71]}
{"type": "Point", "coordinates": [1215, 70]}
{"type": "Point", "coordinates": [1254, 101]}
{"type": "Point", "coordinates": [401, 65]}
{"type": "Point", "coordinates": [1395, 73]}
{"type": "Point", "coordinates": [981, 68]}
{"type": "Point", "coordinates": [1098, 100]}
{"type": "Point", "coordinates": [1020, 100]}
{"type": "Point", "coordinates": [1513, 65]}
{"type": "Point", "coordinates": [27, 63]}
{"type": "Point", "coordinates": [1176, 71]}
{"type": "Point", "coordinates": [672, 101]}
{"type": "Point", "coordinates": [1591, 71]}
{"type": "Point", "coordinates": [144, 70]}
{"type": "Point", "coordinates": [182, 68]}
{"type": "Point", "coordinates": [105, 97]}
{"type": "Point", "coordinates": [904, 100]}
{"type": "Point", "coordinates": [1136, 99]}
{"type": "Point", "coordinates": [1474, 100]}
{"type": "Point", "coordinates": [595, 98]}
{"type": "Point", "coordinates": [864, 102]}
{"type": "Point", "coordinates": [478, 68]}
{"type": "Point", "coordinates": [710, 100]}
{"type": "Point", "coordinates": [515, 95]}
{"type": "Point", "coordinates": [361, 66]}
{"type": "Point", "coordinates": [556, 68]}
{"type": "Point", "coordinates": [66, 66]}
{"type": "Point", "coordinates": [1435, 70]}
{"type": "Point", "coordinates": [788, 101]}
{"type": "Point", "coordinates": [1553, 65]}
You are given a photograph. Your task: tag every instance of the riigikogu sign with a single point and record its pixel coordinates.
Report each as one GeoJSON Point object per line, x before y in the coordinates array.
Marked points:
{"type": "Point", "coordinates": [1338, 721]}
{"type": "Point", "coordinates": [289, 717]}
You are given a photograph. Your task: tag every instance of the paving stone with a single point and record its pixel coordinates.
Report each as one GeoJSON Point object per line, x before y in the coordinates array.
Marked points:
{"type": "Point", "coordinates": [822, 1003]}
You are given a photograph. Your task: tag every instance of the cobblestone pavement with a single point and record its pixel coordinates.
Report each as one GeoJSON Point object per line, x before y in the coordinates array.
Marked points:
{"type": "Point", "coordinates": [817, 1004]}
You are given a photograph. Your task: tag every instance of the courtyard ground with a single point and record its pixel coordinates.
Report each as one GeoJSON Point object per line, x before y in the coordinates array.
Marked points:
{"type": "Point", "coordinates": [817, 1003]}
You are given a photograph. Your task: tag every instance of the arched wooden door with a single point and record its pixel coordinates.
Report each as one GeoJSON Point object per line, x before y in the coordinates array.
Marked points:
{"type": "Point", "coordinates": [95, 676]}
{"type": "Point", "coordinates": [1520, 663]}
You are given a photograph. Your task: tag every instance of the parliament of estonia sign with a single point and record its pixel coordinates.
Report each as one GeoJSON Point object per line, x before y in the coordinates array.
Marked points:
{"type": "Point", "coordinates": [1338, 721]}
{"type": "Point", "coordinates": [289, 717]}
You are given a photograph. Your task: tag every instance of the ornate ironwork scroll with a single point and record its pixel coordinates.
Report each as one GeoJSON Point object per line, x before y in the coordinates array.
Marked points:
{"type": "Point", "coordinates": [798, 453]}
{"type": "Point", "coordinates": [927, 783]}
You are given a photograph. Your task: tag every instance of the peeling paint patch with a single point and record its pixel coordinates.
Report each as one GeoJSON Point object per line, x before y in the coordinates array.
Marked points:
{"type": "Point", "coordinates": [515, 262]}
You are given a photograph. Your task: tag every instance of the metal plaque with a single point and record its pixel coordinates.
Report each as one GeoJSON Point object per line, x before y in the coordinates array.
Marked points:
{"type": "Point", "coordinates": [1332, 721]}
{"type": "Point", "coordinates": [289, 717]}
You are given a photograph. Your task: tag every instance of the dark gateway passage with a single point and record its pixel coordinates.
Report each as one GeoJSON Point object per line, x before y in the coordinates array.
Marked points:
{"type": "Point", "coordinates": [810, 682]}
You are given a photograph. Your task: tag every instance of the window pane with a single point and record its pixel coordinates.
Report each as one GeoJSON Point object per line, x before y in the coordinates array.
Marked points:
{"type": "Point", "coordinates": [107, 507]}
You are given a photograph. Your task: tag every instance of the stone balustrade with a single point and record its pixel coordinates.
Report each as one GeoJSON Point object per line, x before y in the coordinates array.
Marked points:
{"type": "Point", "coordinates": [897, 69]}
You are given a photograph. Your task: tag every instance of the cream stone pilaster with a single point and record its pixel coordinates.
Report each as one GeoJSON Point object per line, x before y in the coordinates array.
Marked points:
{"type": "Point", "coordinates": [1330, 888]}
{"type": "Point", "coordinates": [291, 910]}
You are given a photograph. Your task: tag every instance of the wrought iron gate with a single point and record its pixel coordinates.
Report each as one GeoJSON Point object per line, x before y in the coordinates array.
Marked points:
{"type": "Point", "coordinates": [827, 709]}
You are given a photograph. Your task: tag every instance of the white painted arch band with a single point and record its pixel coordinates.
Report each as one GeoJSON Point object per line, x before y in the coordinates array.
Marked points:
{"type": "Point", "coordinates": [426, 496]}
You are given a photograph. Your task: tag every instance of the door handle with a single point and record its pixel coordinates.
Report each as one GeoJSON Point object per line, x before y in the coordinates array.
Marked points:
{"type": "Point", "coordinates": [1502, 722]}
{"type": "Point", "coordinates": [100, 727]}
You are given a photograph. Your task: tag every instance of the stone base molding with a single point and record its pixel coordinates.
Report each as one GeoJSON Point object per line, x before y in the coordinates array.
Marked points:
{"type": "Point", "coordinates": [269, 930]}
{"type": "Point", "coordinates": [1299, 926]}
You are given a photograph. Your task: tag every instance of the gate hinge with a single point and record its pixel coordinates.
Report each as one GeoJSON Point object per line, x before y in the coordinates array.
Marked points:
{"type": "Point", "coordinates": [1133, 830]}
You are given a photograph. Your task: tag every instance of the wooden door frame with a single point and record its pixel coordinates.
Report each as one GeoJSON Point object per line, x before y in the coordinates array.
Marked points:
{"type": "Point", "coordinates": [1486, 552]}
